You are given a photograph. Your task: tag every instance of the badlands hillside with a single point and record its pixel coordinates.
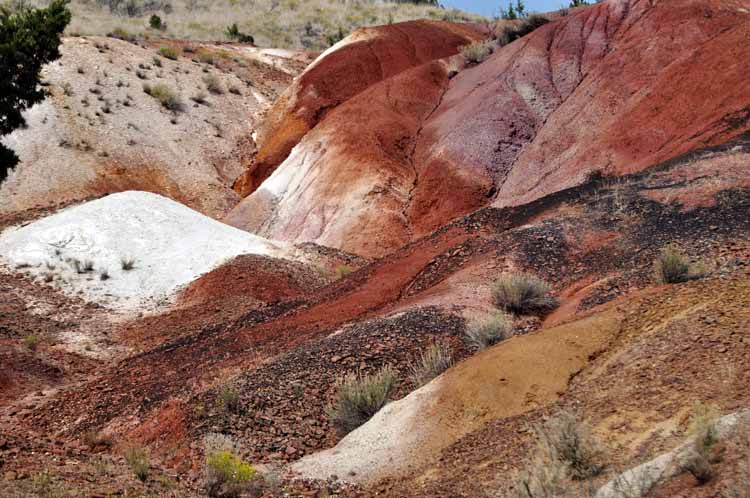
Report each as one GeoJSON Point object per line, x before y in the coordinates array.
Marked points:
{"type": "Point", "coordinates": [437, 259]}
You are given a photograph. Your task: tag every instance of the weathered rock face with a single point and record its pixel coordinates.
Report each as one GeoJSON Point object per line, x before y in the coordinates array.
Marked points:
{"type": "Point", "coordinates": [342, 189]}
{"type": "Point", "coordinates": [366, 57]}
{"type": "Point", "coordinates": [614, 88]}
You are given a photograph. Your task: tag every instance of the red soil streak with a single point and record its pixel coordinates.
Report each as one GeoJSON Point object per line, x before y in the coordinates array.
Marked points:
{"type": "Point", "coordinates": [371, 55]}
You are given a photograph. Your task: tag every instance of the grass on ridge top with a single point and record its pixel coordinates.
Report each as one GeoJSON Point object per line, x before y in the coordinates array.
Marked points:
{"type": "Point", "coordinates": [310, 24]}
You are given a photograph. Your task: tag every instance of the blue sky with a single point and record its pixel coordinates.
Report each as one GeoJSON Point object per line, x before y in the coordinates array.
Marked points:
{"type": "Point", "coordinates": [490, 7]}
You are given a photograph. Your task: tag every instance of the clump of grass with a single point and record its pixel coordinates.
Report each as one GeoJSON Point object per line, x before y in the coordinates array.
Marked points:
{"type": "Point", "coordinates": [199, 98]}
{"type": "Point", "coordinates": [213, 84]}
{"type": "Point", "coordinates": [359, 397]}
{"type": "Point", "coordinates": [570, 442]}
{"type": "Point", "coordinates": [432, 361]}
{"type": "Point", "coordinates": [478, 52]}
{"type": "Point", "coordinates": [343, 271]}
{"type": "Point", "coordinates": [165, 95]}
{"type": "Point", "coordinates": [94, 439]}
{"type": "Point", "coordinates": [523, 294]}
{"type": "Point", "coordinates": [673, 267]}
{"type": "Point", "coordinates": [168, 53]}
{"type": "Point", "coordinates": [206, 58]}
{"type": "Point", "coordinates": [137, 460]}
{"type": "Point", "coordinates": [31, 341]}
{"type": "Point", "coordinates": [229, 399]}
{"type": "Point", "coordinates": [127, 263]}
{"type": "Point", "coordinates": [488, 332]}
{"type": "Point", "coordinates": [88, 266]}
{"type": "Point", "coordinates": [121, 34]}
{"type": "Point", "coordinates": [705, 435]}
{"type": "Point", "coordinates": [226, 474]}
{"type": "Point", "coordinates": [104, 274]}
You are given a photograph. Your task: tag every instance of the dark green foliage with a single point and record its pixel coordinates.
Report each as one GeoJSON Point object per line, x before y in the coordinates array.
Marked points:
{"type": "Point", "coordinates": [29, 38]}
{"type": "Point", "coordinates": [334, 38]}
{"type": "Point", "coordinates": [155, 22]}
{"type": "Point", "coordinates": [578, 3]}
{"type": "Point", "coordinates": [508, 34]}
{"type": "Point", "coordinates": [234, 33]}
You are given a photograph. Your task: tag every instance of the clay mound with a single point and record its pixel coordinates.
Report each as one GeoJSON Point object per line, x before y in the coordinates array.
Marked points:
{"type": "Point", "coordinates": [504, 381]}
{"type": "Point", "coordinates": [251, 279]}
{"type": "Point", "coordinates": [127, 250]}
{"type": "Point", "coordinates": [574, 99]}
{"type": "Point", "coordinates": [367, 56]}
{"type": "Point", "coordinates": [99, 132]}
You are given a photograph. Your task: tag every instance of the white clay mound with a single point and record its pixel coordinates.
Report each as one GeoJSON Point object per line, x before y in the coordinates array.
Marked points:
{"type": "Point", "coordinates": [170, 244]}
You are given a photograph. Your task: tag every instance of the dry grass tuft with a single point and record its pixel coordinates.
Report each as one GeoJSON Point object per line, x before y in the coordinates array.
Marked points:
{"type": "Point", "coordinates": [359, 397]}
{"type": "Point", "coordinates": [489, 332]}
{"type": "Point", "coordinates": [523, 294]}
{"type": "Point", "coordinates": [434, 360]}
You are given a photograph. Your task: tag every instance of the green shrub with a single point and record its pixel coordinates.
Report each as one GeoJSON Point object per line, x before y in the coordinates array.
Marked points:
{"type": "Point", "coordinates": [121, 34]}
{"type": "Point", "coordinates": [673, 267]}
{"type": "Point", "coordinates": [227, 474]}
{"type": "Point", "coordinates": [233, 33]}
{"type": "Point", "coordinates": [343, 271]}
{"type": "Point", "coordinates": [571, 443]}
{"type": "Point", "coordinates": [165, 95]}
{"type": "Point", "coordinates": [478, 52]}
{"type": "Point", "coordinates": [168, 53]}
{"type": "Point", "coordinates": [488, 332]}
{"type": "Point", "coordinates": [213, 84]}
{"type": "Point", "coordinates": [155, 22]}
{"type": "Point", "coordinates": [137, 460]}
{"type": "Point", "coordinates": [434, 360]}
{"type": "Point", "coordinates": [229, 399]}
{"type": "Point", "coordinates": [359, 397]}
{"type": "Point", "coordinates": [523, 294]}
{"type": "Point", "coordinates": [206, 58]}
{"type": "Point", "coordinates": [31, 341]}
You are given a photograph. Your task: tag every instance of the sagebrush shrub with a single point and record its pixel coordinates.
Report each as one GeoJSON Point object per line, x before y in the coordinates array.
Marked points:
{"type": "Point", "coordinates": [229, 399]}
{"type": "Point", "coordinates": [570, 442]}
{"type": "Point", "coordinates": [213, 84]}
{"type": "Point", "coordinates": [167, 97]}
{"type": "Point", "coordinates": [432, 361]}
{"type": "Point", "coordinates": [359, 397]}
{"type": "Point", "coordinates": [523, 294]}
{"type": "Point", "coordinates": [137, 460]}
{"type": "Point", "coordinates": [478, 52]}
{"type": "Point", "coordinates": [168, 53]}
{"type": "Point", "coordinates": [226, 474]}
{"type": "Point", "coordinates": [489, 331]}
{"type": "Point", "coordinates": [672, 267]}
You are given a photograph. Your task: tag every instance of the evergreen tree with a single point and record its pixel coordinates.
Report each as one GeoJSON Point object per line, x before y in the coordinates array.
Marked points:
{"type": "Point", "coordinates": [29, 38]}
{"type": "Point", "coordinates": [520, 8]}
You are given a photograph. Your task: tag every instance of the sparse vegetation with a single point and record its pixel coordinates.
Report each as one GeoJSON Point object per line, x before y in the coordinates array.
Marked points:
{"type": "Point", "coordinates": [229, 399]}
{"type": "Point", "coordinates": [206, 58]}
{"type": "Point", "coordinates": [168, 53]}
{"type": "Point", "coordinates": [523, 294]}
{"type": "Point", "coordinates": [568, 441]}
{"type": "Point", "coordinates": [478, 52]}
{"type": "Point", "coordinates": [213, 84]}
{"type": "Point", "coordinates": [155, 22]}
{"type": "Point", "coordinates": [167, 97]}
{"type": "Point", "coordinates": [432, 361]}
{"type": "Point", "coordinates": [104, 274]}
{"type": "Point", "coordinates": [343, 271]}
{"type": "Point", "coordinates": [673, 267]}
{"type": "Point", "coordinates": [490, 331]}
{"type": "Point", "coordinates": [121, 34]}
{"type": "Point", "coordinates": [285, 24]}
{"type": "Point", "coordinates": [508, 34]}
{"type": "Point", "coordinates": [233, 33]}
{"type": "Point", "coordinates": [705, 435]}
{"type": "Point", "coordinates": [137, 460]}
{"type": "Point", "coordinates": [226, 474]}
{"type": "Point", "coordinates": [127, 263]}
{"type": "Point", "coordinates": [199, 98]}
{"type": "Point", "coordinates": [31, 341]}
{"type": "Point", "coordinates": [359, 397]}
